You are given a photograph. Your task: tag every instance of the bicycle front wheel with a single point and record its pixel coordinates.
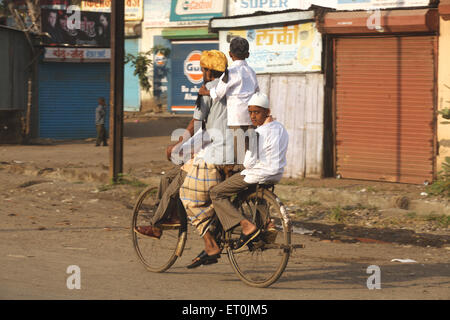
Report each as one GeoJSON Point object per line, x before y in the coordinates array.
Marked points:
{"type": "Point", "coordinates": [264, 262]}
{"type": "Point", "coordinates": [157, 255]}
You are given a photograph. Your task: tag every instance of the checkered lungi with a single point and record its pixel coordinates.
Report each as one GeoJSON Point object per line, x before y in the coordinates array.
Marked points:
{"type": "Point", "coordinates": [194, 193]}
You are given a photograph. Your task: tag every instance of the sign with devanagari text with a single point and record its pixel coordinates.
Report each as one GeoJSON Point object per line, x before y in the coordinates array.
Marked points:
{"type": "Point", "coordinates": [77, 54]}
{"type": "Point", "coordinates": [293, 48]}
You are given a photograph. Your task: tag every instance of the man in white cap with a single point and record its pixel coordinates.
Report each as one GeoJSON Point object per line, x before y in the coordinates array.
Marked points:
{"type": "Point", "coordinates": [264, 163]}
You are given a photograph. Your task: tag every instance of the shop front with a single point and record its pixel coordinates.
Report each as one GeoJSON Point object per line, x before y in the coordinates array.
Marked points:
{"type": "Point", "coordinates": [187, 32]}
{"type": "Point", "coordinates": [70, 82]}
{"type": "Point", "coordinates": [381, 93]}
{"type": "Point", "coordinates": [286, 54]}
{"type": "Point", "coordinates": [444, 84]}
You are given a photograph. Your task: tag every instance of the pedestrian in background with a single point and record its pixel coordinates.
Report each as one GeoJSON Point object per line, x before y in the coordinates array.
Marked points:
{"type": "Point", "coordinates": [100, 115]}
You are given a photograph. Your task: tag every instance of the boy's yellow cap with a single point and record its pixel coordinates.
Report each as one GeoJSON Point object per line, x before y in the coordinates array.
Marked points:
{"type": "Point", "coordinates": [214, 60]}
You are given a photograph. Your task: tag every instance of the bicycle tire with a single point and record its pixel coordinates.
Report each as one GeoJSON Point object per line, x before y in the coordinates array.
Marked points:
{"type": "Point", "coordinates": [157, 255]}
{"type": "Point", "coordinates": [263, 266]}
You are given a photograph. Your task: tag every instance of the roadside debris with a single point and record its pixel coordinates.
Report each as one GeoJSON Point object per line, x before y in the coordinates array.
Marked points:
{"type": "Point", "coordinates": [404, 260]}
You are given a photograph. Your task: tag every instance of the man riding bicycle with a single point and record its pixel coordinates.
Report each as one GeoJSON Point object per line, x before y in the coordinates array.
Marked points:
{"type": "Point", "coordinates": [264, 162]}
{"type": "Point", "coordinates": [212, 116]}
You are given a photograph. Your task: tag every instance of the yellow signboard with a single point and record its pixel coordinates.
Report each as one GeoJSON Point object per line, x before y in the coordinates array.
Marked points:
{"type": "Point", "coordinates": [293, 48]}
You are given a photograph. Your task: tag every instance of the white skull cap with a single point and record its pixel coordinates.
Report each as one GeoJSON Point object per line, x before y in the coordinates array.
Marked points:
{"type": "Point", "coordinates": [259, 99]}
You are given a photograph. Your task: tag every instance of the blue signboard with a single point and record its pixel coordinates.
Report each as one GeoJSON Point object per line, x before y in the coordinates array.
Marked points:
{"type": "Point", "coordinates": [186, 76]}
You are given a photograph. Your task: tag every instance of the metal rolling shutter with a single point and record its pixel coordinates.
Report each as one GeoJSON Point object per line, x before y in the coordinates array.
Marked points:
{"type": "Point", "coordinates": [385, 105]}
{"type": "Point", "coordinates": [68, 94]}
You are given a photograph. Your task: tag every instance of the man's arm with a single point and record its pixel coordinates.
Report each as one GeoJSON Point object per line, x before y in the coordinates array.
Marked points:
{"type": "Point", "coordinates": [194, 125]}
{"type": "Point", "coordinates": [223, 87]}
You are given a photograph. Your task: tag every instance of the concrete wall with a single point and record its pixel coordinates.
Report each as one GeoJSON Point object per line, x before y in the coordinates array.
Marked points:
{"type": "Point", "coordinates": [443, 91]}
{"type": "Point", "coordinates": [15, 56]}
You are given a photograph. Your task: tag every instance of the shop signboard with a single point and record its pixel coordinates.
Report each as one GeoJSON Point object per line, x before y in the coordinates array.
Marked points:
{"type": "Point", "coordinates": [55, 4]}
{"type": "Point", "coordinates": [187, 10]}
{"type": "Point", "coordinates": [293, 48]}
{"type": "Point", "coordinates": [379, 4]}
{"type": "Point", "coordinates": [96, 5]}
{"type": "Point", "coordinates": [186, 76]}
{"type": "Point", "coordinates": [77, 54]}
{"type": "Point", "coordinates": [157, 15]}
{"type": "Point", "coordinates": [243, 7]}
{"type": "Point", "coordinates": [133, 8]}
{"type": "Point", "coordinates": [91, 29]}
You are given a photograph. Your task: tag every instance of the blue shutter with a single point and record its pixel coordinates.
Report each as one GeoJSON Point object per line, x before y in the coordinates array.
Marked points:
{"type": "Point", "coordinates": [68, 94]}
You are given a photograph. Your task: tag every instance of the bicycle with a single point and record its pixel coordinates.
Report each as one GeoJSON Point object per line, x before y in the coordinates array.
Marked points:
{"type": "Point", "coordinates": [260, 265]}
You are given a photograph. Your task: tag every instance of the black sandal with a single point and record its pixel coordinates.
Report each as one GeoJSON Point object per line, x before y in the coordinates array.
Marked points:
{"type": "Point", "coordinates": [203, 259]}
{"type": "Point", "coordinates": [246, 240]}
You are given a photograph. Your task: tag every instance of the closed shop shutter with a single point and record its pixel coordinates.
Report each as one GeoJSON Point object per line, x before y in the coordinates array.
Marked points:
{"type": "Point", "coordinates": [68, 94]}
{"type": "Point", "coordinates": [385, 106]}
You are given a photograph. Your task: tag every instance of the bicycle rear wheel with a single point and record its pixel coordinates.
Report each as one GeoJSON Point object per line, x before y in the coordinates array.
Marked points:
{"type": "Point", "coordinates": [264, 262]}
{"type": "Point", "coordinates": [157, 255]}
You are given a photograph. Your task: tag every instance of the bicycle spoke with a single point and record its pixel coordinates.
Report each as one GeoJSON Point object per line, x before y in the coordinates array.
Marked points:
{"type": "Point", "coordinates": [264, 261]}
{"type": "Point", "coordinates": [156, 254]}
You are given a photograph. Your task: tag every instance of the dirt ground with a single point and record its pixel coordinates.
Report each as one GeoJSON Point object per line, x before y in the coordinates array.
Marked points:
{"type": "Point", "coordinates": [59, 208]}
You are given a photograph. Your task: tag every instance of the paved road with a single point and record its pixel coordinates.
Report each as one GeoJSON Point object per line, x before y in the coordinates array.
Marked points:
{"type": "Point", "coordinates": [53, 217]}
{"type": "Point", "coordinates": [48, 226]}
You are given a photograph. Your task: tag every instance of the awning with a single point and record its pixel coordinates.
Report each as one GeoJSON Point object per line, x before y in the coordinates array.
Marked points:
{"type": "Point", "coordinates": [379, 22]}
{"type": "Point", "coordinates": [199, 33]}
{"type": "Point", "coordinates": [260, 19]}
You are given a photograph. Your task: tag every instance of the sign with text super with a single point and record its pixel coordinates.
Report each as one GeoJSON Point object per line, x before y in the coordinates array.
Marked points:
{"type": "Point", "coordinates": [239, 7]}
{"type": "Point", "coordinates": [186, 74]}
{"type": "Point", "coordinates": [293, 48]}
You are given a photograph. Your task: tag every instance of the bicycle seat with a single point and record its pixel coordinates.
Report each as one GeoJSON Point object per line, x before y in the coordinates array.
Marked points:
{"type": "Point", "coordinates": [266, 184]}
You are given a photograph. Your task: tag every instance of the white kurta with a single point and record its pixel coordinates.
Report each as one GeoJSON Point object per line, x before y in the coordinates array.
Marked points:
{"type": "Point", "coordinates": [241, 85]}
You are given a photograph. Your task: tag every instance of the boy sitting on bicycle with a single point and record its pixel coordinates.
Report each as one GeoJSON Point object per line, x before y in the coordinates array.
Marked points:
{"type": "Point", "coordinates": [264, 162]}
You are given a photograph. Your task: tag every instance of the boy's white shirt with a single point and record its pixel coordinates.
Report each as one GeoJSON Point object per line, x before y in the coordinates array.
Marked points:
{"type": "Point", "coordinates": [269, 165]}
{"type": "Point", "coordinates": [241, 85]}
